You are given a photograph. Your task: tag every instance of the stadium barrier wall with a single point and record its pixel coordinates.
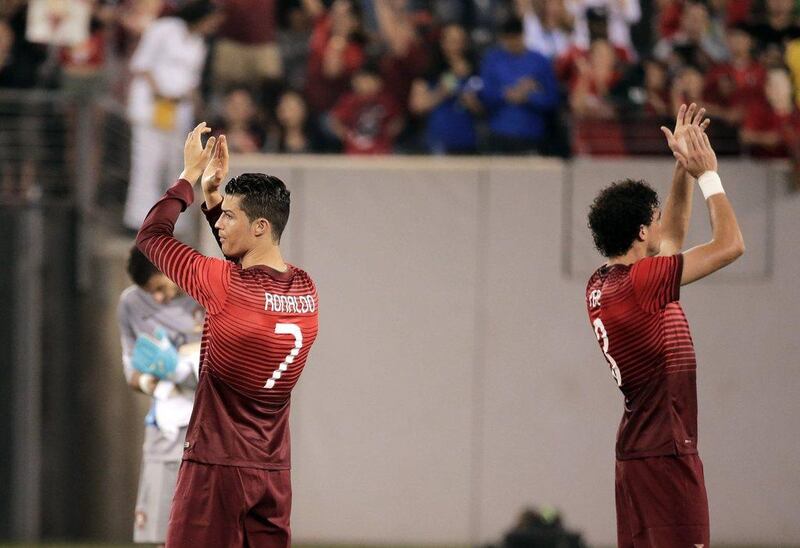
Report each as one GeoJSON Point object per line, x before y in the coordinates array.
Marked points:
{"type": "Point", "coordinates": [455, 379]}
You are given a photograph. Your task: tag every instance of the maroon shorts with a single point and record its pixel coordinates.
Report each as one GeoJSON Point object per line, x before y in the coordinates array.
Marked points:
{"type": "Point", "coordinates": [226, 506]}
{"type": "Point", "coordinates": [661, 502]}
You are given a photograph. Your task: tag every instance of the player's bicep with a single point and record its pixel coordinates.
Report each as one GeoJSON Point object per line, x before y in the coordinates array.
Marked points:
{"type": "Point", "coordinates": [702, 260]}
{"type": "Point", "coordinates": [205, 279]}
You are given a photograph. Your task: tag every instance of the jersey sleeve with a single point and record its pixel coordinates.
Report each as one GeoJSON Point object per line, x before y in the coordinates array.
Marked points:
{"type": "Point", "coordinates": [657, 281]}
{"type": "Point", "coordinates": [204, 278]}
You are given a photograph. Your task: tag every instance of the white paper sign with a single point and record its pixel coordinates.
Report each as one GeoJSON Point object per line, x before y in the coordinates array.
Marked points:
{"type": "Point", "coordinates": [58, 22]}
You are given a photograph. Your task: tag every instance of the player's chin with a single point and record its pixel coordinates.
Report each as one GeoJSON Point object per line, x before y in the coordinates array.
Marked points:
{"type": "Point", "coordinates": [229, 250]}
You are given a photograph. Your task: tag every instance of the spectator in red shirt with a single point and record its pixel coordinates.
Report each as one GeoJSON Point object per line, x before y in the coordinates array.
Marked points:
{"type": "Point", "coordinates": [367, 120]}
{"type": "Point", "coordinates": [247, 51]}
{"type": "Point", "coordinates": [566, 65]}
{"type": "Point", "coordinates": [595, 76]}
{"type": "Point", "coordinates": [771, 128]}
{"type": "Point", "coordinates": [407, 57]}
{"type": "Point", "coordinates": [596, 130]}
{"type": "Point", "coordinates": [668, 18]}
{"type": "Point", "coordinates": [336, 52]}
{"type": "Point", "coordinates": [733, 85]}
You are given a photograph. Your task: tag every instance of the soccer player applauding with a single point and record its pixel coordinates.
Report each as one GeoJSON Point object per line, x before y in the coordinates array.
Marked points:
{"type": "Point", "coordinates": [633, 307]}
{"type": "Point", "coordinates": [261, 319]}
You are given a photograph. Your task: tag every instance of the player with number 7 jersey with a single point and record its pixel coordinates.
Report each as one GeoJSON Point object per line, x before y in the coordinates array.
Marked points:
{"type": "Point", "coordinates": [234, 486]}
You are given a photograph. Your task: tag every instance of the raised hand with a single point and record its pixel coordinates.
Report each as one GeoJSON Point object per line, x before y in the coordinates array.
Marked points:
{"type": "Point", "coordinates": [687, 117]}
{"type": "Point", "coordinates": [700, 156]}
{"type": "Point", "coordinates": [195, 156]}
{"type": "Point", "coordinates": [216, 170]}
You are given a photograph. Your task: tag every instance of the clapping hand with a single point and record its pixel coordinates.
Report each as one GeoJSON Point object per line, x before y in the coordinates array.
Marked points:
{"type": "Point", "coordinates": [687, 117]}
{"type": "Point", "coordinates": [699, 157]}
{"type": "Point", "coordinates": [195, 156]}
{"type": "Point", "coordinates": [216, 171]}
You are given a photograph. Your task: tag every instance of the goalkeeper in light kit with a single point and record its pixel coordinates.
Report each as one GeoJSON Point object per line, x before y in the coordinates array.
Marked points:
{"type": "Point", "coordinates": [160, 328]}
{"type": "Point", "coordinates": [234, 484]}
{"type": "Point", "coordinates": [643, 334]}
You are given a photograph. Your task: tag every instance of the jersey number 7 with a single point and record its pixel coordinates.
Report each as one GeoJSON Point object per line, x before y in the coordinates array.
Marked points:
{"type": "Point", "coordinates": [286, 329]}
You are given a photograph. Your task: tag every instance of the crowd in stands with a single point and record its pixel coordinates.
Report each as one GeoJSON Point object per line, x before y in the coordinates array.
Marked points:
{"type": "Point", "coordinates": [553, 77]}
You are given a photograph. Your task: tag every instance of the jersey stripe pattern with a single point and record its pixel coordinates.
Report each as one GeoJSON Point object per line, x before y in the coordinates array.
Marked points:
{"type": "Point", "coordinates": [260, 326]}
{"type": "Point", "coordinates": [645, 339]}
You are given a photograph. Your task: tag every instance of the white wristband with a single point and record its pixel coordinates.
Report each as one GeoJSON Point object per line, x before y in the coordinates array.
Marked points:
{"type": "Point", "coordinates": [144, 383]}
{"type": "Point", "coordinates": [710, 184]}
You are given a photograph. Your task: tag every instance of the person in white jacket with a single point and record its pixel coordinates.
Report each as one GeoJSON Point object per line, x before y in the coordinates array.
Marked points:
{"type": "Point", "coordinates": [159, 324]}
{"type": "Point", "coordinates": [166, 67]}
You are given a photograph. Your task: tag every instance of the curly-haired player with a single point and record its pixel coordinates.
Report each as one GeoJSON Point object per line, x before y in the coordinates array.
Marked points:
{"type": "Point", "coordinates": [234, 484]}
{"type": "Point", "coordinates": [633, 308]}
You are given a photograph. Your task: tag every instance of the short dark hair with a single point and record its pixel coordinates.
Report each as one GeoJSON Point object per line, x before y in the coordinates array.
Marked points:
{"type": "Point", "coordinates": [140, 269]}
{"type": "Point", "coordinates": [263, 196]}
{"type": "Point", "coordinates": [195, 10]}
{"type": "Point", "coordinates": [617, 213]}
{"type": "Point", "coordinates": [370, 68]}
{"type": "Point", "coordinates": [512, 26]}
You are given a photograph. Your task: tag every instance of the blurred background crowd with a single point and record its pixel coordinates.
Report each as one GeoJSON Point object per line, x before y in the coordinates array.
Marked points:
{"type": "Point", "coordinates": [550, 77]}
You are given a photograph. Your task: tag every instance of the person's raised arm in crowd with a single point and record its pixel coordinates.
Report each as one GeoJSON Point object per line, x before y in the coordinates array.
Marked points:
{"type": "Point", "coordinates": [395, 25]}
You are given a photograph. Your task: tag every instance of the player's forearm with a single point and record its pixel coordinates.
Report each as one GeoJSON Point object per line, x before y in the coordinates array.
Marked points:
{"type": "Point", "coordinates": [726, 243]}
{"type": "Point", "coordinates": [191, 175]}
{"type": "Point", "coordinates": [677, 209]}
{"type": "Point", "coordinates": [726, 236]}
{"type": "Point", "coordinates": [212, 199]}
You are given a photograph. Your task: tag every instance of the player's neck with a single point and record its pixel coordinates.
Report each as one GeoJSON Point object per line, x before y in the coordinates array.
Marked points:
{"type": "Point", "coordinates": [635, 253]}
{"type": "Point", "coordinates": [270, 256]}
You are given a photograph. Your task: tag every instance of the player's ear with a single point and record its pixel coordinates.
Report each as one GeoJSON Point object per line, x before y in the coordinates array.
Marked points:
{"type": "Point", "coordinates": [642, 233]}
{"type": "Point", "coordinates": [260, 227]}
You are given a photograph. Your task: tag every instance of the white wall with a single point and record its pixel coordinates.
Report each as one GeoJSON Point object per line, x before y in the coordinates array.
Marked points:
{"type": "Point", "coordinates": [455, 378]}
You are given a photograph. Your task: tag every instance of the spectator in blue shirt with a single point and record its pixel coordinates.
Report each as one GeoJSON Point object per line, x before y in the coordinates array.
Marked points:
{"type": "Point", "coordinates": [519, 92]}
{"type": "Point", "coordinates": [447, 97]}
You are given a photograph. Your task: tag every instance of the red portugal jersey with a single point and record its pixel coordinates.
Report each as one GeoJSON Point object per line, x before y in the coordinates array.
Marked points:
{"type": "Point", "coordinates": [645, 338]}
{"type": "Point", "coordinates": [259, 327]}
